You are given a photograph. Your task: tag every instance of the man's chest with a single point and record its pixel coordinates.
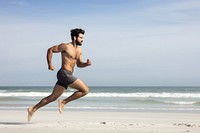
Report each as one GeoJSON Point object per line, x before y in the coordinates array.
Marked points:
{"type": "Point", "coordinates": [73, 53]}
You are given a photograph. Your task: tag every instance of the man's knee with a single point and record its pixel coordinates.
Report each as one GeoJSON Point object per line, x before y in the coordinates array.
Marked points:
{"type": "Point", "coordinates": [85, 91]}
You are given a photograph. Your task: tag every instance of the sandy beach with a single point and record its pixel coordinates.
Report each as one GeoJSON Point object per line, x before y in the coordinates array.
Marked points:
{"type": "Point", "coordinates": [99, 122]}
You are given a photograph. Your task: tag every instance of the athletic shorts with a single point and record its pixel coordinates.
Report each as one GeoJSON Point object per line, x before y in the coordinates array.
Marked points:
{"type": "Point", "coordinates": [65, 78]}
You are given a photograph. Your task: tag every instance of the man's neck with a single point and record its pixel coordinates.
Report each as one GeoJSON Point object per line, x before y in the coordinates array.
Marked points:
{"type": "Point", "coordinates": [75, 44]}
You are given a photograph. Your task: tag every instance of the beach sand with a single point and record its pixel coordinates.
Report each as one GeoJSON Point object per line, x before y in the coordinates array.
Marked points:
{"type": "Point", "coordinates": [98, 122]}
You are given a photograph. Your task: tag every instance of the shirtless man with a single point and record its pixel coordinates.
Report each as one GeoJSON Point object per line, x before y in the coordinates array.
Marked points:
{"type": "Point", "coordinates": [71, 55]}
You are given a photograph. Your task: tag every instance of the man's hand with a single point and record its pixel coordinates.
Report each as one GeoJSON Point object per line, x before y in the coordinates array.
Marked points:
{"type": "Point", "coordinates": [89, 62]}
{"type": "Point", "coordinates": [51, 67]}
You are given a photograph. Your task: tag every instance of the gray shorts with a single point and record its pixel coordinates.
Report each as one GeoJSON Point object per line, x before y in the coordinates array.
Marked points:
{"type": "Point", "coordinates": [65, 78]}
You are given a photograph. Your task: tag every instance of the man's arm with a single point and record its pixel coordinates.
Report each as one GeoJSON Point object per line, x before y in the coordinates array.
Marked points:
{"type": "Point", "coordinates": [50, 51]}
{"type": "Point", "coordinates": [82, 64]}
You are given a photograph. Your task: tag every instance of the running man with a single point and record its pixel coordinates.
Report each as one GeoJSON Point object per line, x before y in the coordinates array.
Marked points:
{"type": "Point", "coordinates": [71, 54]}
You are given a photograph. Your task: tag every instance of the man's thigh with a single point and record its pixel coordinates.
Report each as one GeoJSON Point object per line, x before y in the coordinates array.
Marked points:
{"type": "Point", "coordinates": [79, 85]}
{"type": "Point", "coordinates": [58, 90]}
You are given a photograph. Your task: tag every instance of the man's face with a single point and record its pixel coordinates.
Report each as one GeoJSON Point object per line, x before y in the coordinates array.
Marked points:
{"type": "Point", "coordinates": [79, 39]}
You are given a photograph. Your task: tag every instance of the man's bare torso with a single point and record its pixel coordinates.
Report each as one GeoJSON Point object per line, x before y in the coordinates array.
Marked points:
{"type": "Point", "coordinates": [70, 55]}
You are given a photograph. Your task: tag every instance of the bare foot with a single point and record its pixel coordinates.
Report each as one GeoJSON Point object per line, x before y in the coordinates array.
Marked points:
{"type": "Point", "coordinates": [60, 105]}
{"type": "Point", "coordinates": [30, 113]}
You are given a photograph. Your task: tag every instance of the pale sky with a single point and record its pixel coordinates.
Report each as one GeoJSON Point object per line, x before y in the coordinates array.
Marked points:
{"type": "Point", "coordinates": [130, 42]}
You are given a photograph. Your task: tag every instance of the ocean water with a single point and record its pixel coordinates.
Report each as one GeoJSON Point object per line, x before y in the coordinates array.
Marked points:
{"type": "Point", "coordinates": [107, 98]}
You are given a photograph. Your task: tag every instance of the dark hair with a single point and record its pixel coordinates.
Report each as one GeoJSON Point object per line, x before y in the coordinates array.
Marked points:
{"type": "Point", "coordinates": [76, 32]}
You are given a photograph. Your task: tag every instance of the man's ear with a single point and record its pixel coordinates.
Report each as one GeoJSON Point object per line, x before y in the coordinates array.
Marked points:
{"type": "Point", "coordinates": [74, 38]}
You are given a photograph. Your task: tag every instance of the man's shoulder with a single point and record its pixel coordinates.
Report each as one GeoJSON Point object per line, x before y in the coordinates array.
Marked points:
{"type": "Point", "coordinates": [65, 44]}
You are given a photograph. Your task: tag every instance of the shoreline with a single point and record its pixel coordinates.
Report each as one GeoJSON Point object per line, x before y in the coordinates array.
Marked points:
{"type": "Point", "coordinates": [99, 122]}
{"type": "Point", "coordinates": [144, 110]}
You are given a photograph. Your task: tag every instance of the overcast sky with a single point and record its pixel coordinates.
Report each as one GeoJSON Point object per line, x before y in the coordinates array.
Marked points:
{"type": "Point", "coordinates": [130, 42]}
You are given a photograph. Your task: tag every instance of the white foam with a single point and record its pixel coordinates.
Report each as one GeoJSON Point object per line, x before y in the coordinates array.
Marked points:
{"type": "Point", "coordinates": [146, 95]}
{"type": "Point", "coordinates": [128, 95]}
{"type": "Point", "coordinates": [180, 102]}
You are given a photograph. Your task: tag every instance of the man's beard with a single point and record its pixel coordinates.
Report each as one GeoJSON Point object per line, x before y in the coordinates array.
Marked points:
{"type": "Point", "coordinates": [78, 43]}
